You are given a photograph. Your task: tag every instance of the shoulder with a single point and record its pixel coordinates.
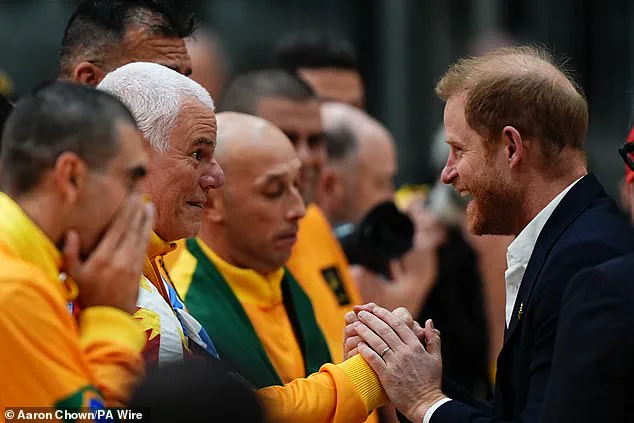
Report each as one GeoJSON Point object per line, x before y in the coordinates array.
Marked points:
{"type": "Point", "coordinates": [23, 280]}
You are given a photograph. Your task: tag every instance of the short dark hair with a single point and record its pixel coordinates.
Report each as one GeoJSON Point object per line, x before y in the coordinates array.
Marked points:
{"type": "Point", "coordinates": [244, 93]}
{"type": "Point", "coordinates": [340, 143]}
{"type": "Point", "coordinates": [312, 49]}
{"type": "Point", "coordinates": [5, 109]}
{"type": "Point", "coordinates": [196, 390]}
{"type": "Point", "coordinates": [97, 25]}
{"type": "Point", "coordinates": [56, 118]}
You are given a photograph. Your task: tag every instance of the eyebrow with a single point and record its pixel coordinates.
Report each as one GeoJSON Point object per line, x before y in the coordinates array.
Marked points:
{"type": "Point", "coordinates": [204, 141]}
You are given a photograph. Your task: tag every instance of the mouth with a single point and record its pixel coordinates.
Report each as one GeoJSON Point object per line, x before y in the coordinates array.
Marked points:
{"type": "Point", "coordinates": [196, 204]}
{"type": "Point", "coordinates": [287, 239]}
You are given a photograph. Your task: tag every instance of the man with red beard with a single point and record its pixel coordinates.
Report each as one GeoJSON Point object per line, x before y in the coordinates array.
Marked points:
{"type": "Point", "coordinates": [515, 124]}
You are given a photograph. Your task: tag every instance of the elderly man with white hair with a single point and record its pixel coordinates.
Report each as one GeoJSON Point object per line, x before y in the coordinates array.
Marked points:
{"type": "Point", "coordinates": [177, 118]}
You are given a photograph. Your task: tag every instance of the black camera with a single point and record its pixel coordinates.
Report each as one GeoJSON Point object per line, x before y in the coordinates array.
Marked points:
{"type": "Point", "coordinates": [384, 234]}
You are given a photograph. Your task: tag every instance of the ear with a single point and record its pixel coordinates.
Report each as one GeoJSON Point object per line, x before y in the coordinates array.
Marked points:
{"type": "Point", "coordinates": [88, 73]}
{"type": "Point", "coordinates": [328, 186]}
{"type": "Point", "coordinates": [514, 147]}
{"type": "Point", "coordinates": [215, 208]}
{"type": "Point", "coordinates": [71, 175]}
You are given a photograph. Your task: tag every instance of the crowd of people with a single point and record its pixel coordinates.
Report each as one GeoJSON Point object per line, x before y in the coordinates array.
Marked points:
{"type": "Point", "coordinates": [172, 240]}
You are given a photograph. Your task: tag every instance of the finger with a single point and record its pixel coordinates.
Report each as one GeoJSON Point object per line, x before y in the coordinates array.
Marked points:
{"type": "Point", "coordinates": [349, 330]}
{"type": "Point", "coordinates": [432, 339]}
{"type": "Point", "coordinates": [404, 333]}
{"type": "Point", "coordinates": [374, 360]}
{"type": "Point", "coordinates": [351, 344]}
{"type": "Point", "coordinates": [118, 228]}
{"type": "Point", "coordinates": [364, 307]}
{"type": "Point", "coordinates": [373, 340]}
{"type": "Point", "coordinates": [350, 317]}
{"type": "Point", "coordinates": [396, 270]}
{"type": "Point", "coordinates": [130, 248]}
{"type": "Point", "coordinates": [404, 315]}
{"type": "Point", "coordinates": [70, 254]}
{"type": "Point", "coordinates": [418, 331]}
{"type": "Point", "coordinates": [351, 353]}
{"type": "Point", "coordinates": [381, 329]}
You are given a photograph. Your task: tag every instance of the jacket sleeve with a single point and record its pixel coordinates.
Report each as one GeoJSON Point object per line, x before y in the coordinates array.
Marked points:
{"type": "Point", "coordinates": [341, 393]}
{"type": "Point", "coordinates": [592, 363]}
{"type": "Point", "coordinates": [48, 360]}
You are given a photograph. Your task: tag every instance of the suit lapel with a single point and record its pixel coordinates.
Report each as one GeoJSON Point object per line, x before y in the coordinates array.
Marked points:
{"type": "Point", "coordinates": [572, 205]}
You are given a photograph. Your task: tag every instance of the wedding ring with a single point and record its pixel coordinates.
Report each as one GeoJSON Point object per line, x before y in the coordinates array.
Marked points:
{"type": "Point", "coordinates": [384, 351]}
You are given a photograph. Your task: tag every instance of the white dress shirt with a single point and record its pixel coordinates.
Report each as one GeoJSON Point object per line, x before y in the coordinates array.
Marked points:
{"type": "Point", "coordinates": [517, 256]}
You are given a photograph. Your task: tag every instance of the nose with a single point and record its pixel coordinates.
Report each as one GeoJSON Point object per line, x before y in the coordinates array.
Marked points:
{"type": "Point", "coordinates": [449, 172]}
{"type": "Point", "coordinates": [214, 178]}
{"type": "Point", "coordinates": [297, 209]}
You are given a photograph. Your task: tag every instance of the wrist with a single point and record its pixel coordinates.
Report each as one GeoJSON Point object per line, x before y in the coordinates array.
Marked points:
{"type": "Point", "coordinates": [417, 413]}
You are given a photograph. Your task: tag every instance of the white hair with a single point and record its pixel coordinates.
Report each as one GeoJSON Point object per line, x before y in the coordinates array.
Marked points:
{"type": "Point", "coordinates": [154, 94]}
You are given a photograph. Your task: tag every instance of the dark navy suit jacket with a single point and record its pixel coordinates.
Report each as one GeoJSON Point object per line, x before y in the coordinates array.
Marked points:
{"type": "Point", "coordinates": [585, 230]}
{"type": "Point", "coordinates": [593, 365]}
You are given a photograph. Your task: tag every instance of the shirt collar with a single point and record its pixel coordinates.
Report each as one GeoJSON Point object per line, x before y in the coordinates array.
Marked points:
{"type": "Point", "coordinates": [158, 247]}
{"type": "Point", "coordinates": [22, 238]}
{"type": "Point", "coordinates": [520, 250]}
{"type": "Point", "coordinates": [248, 285]}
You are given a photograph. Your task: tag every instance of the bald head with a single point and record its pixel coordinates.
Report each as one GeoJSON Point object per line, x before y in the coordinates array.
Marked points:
{"type": "Point", "coordinates": [361, 163]}
{"type": "Point", "coordinates": [349, 131]}
{"type": "Point", "coordinates": [520, 87]}
{"type": "Point", "coordinates": [252, 221]}
{"type": "Point", "coordinates": [243, 138]}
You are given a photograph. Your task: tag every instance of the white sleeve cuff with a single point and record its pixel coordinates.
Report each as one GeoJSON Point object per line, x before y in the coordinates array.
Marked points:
{"type": "Point", "coordinates": [433, 408]}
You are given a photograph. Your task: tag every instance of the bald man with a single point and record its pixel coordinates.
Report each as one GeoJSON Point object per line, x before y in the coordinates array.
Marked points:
{"type": "Point", "coordinates": [359, 175]}
{"type": "Point", "coordinates": [361, 164]}
{"type": "Point", "coordinates": [233, 280]}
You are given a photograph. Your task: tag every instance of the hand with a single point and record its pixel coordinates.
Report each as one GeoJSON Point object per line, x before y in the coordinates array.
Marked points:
{"type": "Point", "coordinates": [351, 339]}
{"type": "Point", "coordinates": [410, 374]}
{"type": "Point", "coordinates": [110, 275]}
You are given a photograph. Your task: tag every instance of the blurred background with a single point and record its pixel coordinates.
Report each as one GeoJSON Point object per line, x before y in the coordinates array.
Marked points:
{"type": "Point", "coordinates": [403, 47]}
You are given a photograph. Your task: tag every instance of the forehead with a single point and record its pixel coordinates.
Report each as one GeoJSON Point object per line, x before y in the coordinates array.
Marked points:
{"type": "Point", "coordinates": [456, 127]}
{"type": "Point", "coordinates": [141, 45]}
{"type": "Point", "coordinates": [250, 154]}
{"type": "Point", "coordinates": [195, 121]}
{"type": "Point", "coordinates": [302, 117]}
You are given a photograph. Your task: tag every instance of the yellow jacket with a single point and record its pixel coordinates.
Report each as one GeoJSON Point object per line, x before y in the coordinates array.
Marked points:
{"type": "Point", "coordinates": [337, 393]}
{"type": "Point", "coordinates": [49, 358]}
{"type": "Point", "coordinates": [321, 268]}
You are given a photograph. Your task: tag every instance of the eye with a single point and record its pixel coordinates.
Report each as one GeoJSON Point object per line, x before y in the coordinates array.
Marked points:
{"type": "Point", "coordinates": [274, 191]}
{"type": "Point", "coordinates": [457, 151]}
{"type": "Point", "coordinates": [198, 155]}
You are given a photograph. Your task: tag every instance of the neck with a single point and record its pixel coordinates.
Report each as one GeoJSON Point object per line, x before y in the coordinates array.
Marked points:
{"type": "Point", "coordinates": [217, 240]}
{"type": "Point", "coordinates": [41, 209]}
{"type": "Point", "coordinates": [541, 191]}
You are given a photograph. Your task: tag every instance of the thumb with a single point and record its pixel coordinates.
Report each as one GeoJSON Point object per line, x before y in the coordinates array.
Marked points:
{"type": "Point", "coordinates": [70, 254]}
{"type": "Point", "coordinates": [432, 339]}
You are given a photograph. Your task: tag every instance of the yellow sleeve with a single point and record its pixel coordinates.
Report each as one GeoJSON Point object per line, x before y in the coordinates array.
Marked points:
{"type": "Point", "coordinates": [343, 393]}
{"type": "Point", "coordinates": [44, 361]}
{"type": "Point", "coordinates": [112, 342]}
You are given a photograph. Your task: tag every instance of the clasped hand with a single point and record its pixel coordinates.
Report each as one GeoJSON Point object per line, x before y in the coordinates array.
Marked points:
{"type": "Point", "coordinates": [392, 344]}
